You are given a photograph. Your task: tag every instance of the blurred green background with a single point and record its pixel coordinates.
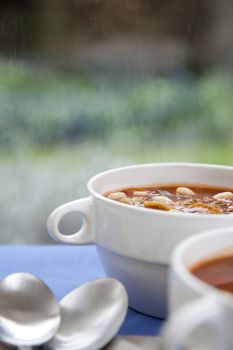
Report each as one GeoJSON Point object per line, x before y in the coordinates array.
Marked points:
{"type": "Point", "coordinates": [90, 85]}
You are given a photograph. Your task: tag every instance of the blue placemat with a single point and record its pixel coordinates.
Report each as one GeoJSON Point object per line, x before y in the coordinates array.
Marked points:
{"type": "Point", "coordinates": [64, 268]}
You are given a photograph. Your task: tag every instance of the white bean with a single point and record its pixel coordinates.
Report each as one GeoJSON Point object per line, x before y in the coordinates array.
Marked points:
{"type": "Point", "coordinates": [224, 195]}
{"type": "Point", "coordinates": [160, 202]}
{"type": "Point", "coordinates": [117, 196]}
{"type": "Point", "coordinates": [140, 193]}
{"type": "Point", "coordinates": [162, 199]}
{"type": "Point", "coordinates": [184, 191]}
{"type": "Point", "coordinates": [157, 205]}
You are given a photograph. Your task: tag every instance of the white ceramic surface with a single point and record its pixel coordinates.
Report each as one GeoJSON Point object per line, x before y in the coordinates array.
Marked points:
{"type": "Point", "coordinates": [135, 244]}
{"type": "Point", "coordinates": [201, 316]}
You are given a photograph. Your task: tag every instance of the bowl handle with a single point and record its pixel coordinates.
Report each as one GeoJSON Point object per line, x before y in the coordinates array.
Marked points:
{"type": "Point", "coordinates": [204, 312]}
{"type": "Point", "coordinates": [85, 234]}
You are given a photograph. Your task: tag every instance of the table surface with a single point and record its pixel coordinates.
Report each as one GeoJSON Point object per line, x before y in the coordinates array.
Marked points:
{"type": "Point", "coordinates": [64, 268]}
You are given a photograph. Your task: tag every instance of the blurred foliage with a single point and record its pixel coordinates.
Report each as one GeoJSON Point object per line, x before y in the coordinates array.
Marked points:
{"type": "Point", "coordinates": [57, 129]}
{"type": "Point", "coordinates": [42, 107]}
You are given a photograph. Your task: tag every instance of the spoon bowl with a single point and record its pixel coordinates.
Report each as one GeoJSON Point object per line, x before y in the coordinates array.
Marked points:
{"type": "Point", "coordinates": [91, 315]}
{"type": "Point", "coordinates": [29, 312]}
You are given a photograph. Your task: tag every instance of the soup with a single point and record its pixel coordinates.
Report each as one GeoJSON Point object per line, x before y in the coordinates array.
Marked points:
{"type": "Point", "coordinates": [217, 272]}
{"type": "Point", "coordinates": [201, 199]}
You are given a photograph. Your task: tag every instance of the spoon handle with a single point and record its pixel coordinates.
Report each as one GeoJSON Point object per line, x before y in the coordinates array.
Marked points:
{"type": "Point", "coordinates": [25, 348]}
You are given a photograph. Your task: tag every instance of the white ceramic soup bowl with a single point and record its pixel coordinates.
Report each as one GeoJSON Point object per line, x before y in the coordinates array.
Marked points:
{"type": "Point", "coordinates": [135, 244]}
{"type": "Point", "coordinates": [201, 316]}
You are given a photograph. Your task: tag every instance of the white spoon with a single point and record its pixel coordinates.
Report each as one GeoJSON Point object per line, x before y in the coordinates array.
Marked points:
{"type": "Point", "coordinates": [91, 315]}
{"type": "Point", "coordinates": [29, 312]}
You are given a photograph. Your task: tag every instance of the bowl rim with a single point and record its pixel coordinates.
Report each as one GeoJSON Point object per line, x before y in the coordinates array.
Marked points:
{"type": "Point", "coordinates": [184, 274]}
{"type": "Point", "coordinates": [95, 194]}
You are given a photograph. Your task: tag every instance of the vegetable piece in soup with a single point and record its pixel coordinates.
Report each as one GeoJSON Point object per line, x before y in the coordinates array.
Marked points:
{"type": "Point", "coordinates": [182, 198]}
